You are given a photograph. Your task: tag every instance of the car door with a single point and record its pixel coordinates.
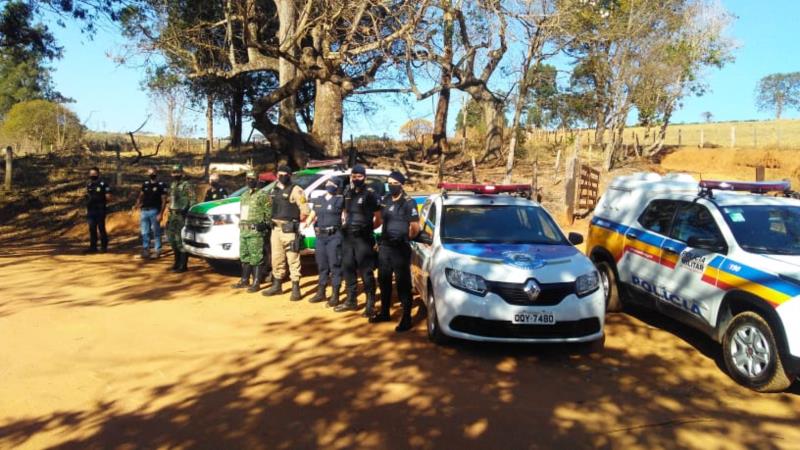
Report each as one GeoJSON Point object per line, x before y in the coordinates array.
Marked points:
{"type": "Point", "coordinates": [422, 246]}
{"type": "Point", "coordinates": [641, 264]}
{"type": "Point", "coordinates": [695, 240]}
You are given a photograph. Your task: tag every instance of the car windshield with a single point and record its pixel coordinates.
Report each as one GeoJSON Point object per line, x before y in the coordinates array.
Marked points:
{"type": "Point", "coordinates": [513, 224]}
{"type": "Point", "coordinates": [304, 181]}
{"type": "Point", "coordinates": [767, 229]}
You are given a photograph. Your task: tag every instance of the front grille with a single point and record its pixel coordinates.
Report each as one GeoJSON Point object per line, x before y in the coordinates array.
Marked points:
{"type": "Point", "coordinates": [198, 223]}
{"type": "Point", "coordinates": [505, 329]}
{"type": "Point", "coordinates": [514, 293]}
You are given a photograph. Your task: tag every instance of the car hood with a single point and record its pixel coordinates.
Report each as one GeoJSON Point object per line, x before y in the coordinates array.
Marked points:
{"type": "Point", "coordinates": [784, 264]}
{"type": "Point", "coordinates": [515, 263]}
{"type": "Point", "coordinates": [228, 205]}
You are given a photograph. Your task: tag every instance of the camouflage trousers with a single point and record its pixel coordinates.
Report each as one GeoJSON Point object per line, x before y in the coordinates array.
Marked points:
{"type": "Point", "coordinates": [174, 226]}
{"type": "Point", "coordinates": [251, 247]}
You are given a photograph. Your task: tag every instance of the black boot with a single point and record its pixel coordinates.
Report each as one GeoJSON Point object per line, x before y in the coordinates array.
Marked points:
{"type": "Point", "coordinates": [319, 296]}
{"type": "Point", "coordinates": [247, 269]}
{"type": "Point", "coordinates": [296, 297]}
{"type": "Point", "coordinates": [177, 262]}
{"type": "Point", "coordinates": [334, 301]}
{"type": "Point", "coordinates": [182, 262]}
{"type": "Point", "coordinates": [257, 276]}
{"type": "Point", "coordinates": [369, 310]}
{"type": "Point", "coordinates": [405, 322]}
{"type": "Point", "coordinates": [275, 289]}
{"type": "Point", "coordinates": [349, 305]}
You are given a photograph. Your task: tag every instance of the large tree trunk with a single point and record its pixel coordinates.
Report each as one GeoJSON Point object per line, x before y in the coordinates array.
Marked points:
{"type": "Point", "coordinates": [287, 72]}
{"type": "Point", "coordinates": [328, 122]}
{"type": "Point", "coordinates": [492, 115]}
{"type": "Point", "coordinates": [440, 145]}
{"type": "Point", "coordinates": [210, 119]}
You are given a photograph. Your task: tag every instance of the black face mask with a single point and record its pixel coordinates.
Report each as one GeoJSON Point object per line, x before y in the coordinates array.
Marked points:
{"type": "Point", "coordinates": [285, 179]}
{"type": "Point", "coordinates": [94, 177]}
{"type": "Point", "coordinates": [358, 183]}
{"type": "Point", "coordinates": [214, 184]}
{"type": "Point", "coordinates": [395, 189]}
{"type": "Point", "coordinates": [153, 176]}
{"type": "Point", "coordinates": [252, 184]}
{"type": "Point", "coordinates": [331, 189]}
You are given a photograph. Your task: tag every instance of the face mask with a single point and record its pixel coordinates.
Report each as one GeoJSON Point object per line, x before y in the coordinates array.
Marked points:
{"type": "Point", "coordinates": [358, 183]}
{"type": "Point", "coordinates": [94, 177]}
{"type": "Point", "coordinates": [395, 189]}
{"type": "Point", "coordinates": [331, 189]}
{"type": "Point", "coordinates": [252, 183]}
{"type": "Point", "coordinates": [284, 179]}
{"type": "Point", "coordinates": [214, 184]}
{"type": "Point", "coordinates": [153, 176]}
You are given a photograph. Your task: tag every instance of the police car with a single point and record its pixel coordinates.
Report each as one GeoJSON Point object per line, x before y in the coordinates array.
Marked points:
{"type": "Point", "coordinates": [493, 265]}
{"type": "Point", "coordinates": [723, 257]}
{"type": "Point", "coordinates": [212, 228]}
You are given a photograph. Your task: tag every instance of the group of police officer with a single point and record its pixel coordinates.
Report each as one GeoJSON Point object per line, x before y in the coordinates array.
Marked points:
{"type": "Point", "coordinates": [344, 220]}
{"type": "Point", "coordinates": [271, 225]}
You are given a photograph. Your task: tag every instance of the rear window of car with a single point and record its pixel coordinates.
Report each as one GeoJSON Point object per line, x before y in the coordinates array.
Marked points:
{"type": "Point", "coordinates": [658, 215]}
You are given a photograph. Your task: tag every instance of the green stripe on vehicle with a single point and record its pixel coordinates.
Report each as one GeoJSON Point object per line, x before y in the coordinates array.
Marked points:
{"type": "Point", "coordinates": [203, 208]}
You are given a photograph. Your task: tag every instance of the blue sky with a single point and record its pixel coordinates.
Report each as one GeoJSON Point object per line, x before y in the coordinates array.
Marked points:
{"type": "Point", "coordinates": [109, 96]}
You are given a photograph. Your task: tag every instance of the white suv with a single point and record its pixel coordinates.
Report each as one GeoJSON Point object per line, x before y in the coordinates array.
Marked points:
{"type": "Point", "coordinates": [494, 267]}
{"type": "Point", "coordinates": [212, 228]}
{"type": "Point", "coordinates": [727, 263]}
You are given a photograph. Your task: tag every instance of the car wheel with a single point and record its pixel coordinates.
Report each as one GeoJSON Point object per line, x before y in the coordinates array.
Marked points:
{"type": "Point", "coordinates": [610, 286]}
{"type": "Point", "coordinates": [435, 333]}
{"type": "Point", "coordinates": [751, 354]}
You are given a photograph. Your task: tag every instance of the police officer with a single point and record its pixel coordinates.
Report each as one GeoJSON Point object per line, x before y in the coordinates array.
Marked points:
{"type": "Point", "coordinates": [216, 191]}
{"type": "Point", "coordinates": [400, 225]}
{"type": "Point", "coordinates": [98, 194]}
{"type": "Point", "coordinates": [152, 200]}
{"type": "Point", "coordinates": [289, 208]}
{"type": "Point", "coordinates": [326, 217]}
{"type": "Point", "coordinates": [255, 211]}
{"type": "Point", "coordinates": [362, 216]}
{"type": "Point", "coordinates": [181, 198]}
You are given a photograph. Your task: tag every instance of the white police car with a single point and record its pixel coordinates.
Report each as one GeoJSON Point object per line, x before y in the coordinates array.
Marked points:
{"type": "Point", "coordinates": [727, 263]}
{"type": "Point", "coordinates": [212, 228]}
{"type": "Point", "coordinates": [495, 267]}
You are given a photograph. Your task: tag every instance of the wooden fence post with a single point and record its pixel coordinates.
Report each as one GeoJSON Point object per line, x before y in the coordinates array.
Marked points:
{"type": "Point", "coordinates": [680, 137]}
{"type": "Point", "coordinates": [119, 168]}
{"type": "Point", "coordinates": [207, 159]}
{"type": "Point", "coordinates": [9, 168]}
{"type": "Point", "coordinates": [760, 173]}
{"type": "Point", "coordinates": [474, 175]}
{"type": "Point", "coordinates": [534, 179]}
{"type": "Point", "coordinates": [558, 164]}
{"type": "Point", "coordinates": [571, 174]}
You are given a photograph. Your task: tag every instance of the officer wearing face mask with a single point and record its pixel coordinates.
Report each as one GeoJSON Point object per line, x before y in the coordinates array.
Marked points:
{"type": "Point", "coordinates": [216, 191]}
{"type": "Point", "coordinates": [400, 225]}
{"type": "Point", "coordinates": [289, 208]}
{"type": "Point", "coordinates": [362, 216]}
{"type": "Point", "coordinates": [181, 198]}
{"type": "Point", "coordinates": [326, 218]}
{"type": "Point", "coordinates": [152, 201]}
{"type": "Point", "coordinates": [98, 194]}
{"type": "Point", "coordinates": [254, 213]}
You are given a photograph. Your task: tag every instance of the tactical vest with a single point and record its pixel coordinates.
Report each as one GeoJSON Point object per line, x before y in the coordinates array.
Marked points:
{"type": "Point", "coordinates": [355, 203]}
{"type": "Point", "coordinates": [282, 207]}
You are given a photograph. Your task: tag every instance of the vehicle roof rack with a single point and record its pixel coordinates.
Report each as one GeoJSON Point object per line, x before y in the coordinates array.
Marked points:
{"type": "Point", "coordinates": [707, 187]}
{"type": "Point", "coordinates": [523, 190]}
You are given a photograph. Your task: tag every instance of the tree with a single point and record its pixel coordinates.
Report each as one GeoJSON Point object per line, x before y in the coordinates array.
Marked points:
{"type": "Point", "coordinates": [169, 95]}
{"type": "Point", "coordinates": [43, 123]}
{"type": "Point", "coordinates": [707, 116]}
{"type": "Point", "coordinates": [543, 96]}
{"type": "Point", "coordinates": [778, 92]}
{"type": "Point", "coordinates": [416, 130]}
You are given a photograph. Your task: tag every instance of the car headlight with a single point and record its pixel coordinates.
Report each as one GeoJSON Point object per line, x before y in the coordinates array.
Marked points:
{"type": "Point", "coordinates": [222, 219]}
{"type": "Point", "coordinates": [586, 284]}
{"type": "Point", "coordinates": [466, 281]}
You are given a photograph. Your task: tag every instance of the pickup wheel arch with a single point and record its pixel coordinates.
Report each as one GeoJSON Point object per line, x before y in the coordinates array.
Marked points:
{"type": "Point", "coordinates": [736, 302]}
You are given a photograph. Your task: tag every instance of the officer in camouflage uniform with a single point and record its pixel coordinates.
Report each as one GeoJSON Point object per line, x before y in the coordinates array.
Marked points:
{"type": "Point", "coordinates": [181, 198]}
{"type": "Point", "coordinates": [255, 212]}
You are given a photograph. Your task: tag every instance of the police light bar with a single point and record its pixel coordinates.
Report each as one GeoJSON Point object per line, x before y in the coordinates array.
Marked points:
{"type": "Point", "coordinates": [267, 177]}
{"type": "Point", "coordinates": [486, 188]}
{"type": "Point", "coordinates": [317, 163]}
{"type": "Point", "coordinates": [756, 187]}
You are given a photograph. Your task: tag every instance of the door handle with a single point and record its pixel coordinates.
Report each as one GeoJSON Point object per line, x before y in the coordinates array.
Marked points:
{"type": "Point", "coordinates": [632, 236]}
{"type": "Point", "coordinates": [674, 251]}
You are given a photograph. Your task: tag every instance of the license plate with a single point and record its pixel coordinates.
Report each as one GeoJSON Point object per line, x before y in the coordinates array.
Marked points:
{"type": "Point", "coordinates": [534, 318]}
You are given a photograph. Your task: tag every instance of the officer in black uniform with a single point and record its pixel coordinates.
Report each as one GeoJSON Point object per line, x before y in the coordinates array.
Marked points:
{"type": "Point", "coordinates": [326, 217]}
{"type": "Point", "coordinates": [98, 194]}
{"type": "Point", "coordinates": [362, 216]}
{"type": "Point", "coordinates": [400, 225]}
{"type": "Point", "coordinates": [216, 191]}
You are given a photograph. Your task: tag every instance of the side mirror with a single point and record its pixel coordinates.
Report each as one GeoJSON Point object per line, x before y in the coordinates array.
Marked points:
{"type": "Point", "coordinates": [424, 238]}
{"type": "Point", "coordinates": [706, 243]}
{"type": "Point", "coordinates": [575, 238]}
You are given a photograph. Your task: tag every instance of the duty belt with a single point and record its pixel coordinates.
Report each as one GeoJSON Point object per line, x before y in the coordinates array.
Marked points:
{"type": "Point", "coordinates": [327, 231]}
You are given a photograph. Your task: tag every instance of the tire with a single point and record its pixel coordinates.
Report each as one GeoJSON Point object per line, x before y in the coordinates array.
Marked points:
{"type": "Point", "coordinates": [610, 285]}
{"type": "Point", "coordinates": [751, 354]}
{"type": "Point", "coordinates": [435, 333]}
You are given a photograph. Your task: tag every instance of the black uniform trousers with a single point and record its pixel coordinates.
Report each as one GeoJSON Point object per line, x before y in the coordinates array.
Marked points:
{"type": "Point", "coordinates": [358, 257]}
{"type": "Point", "coordinates": [267, 262]}
{"type": "Point", "coordinates": [97, 223]}
{"type": "Point", "coordinates": [328, 254]}
{"type": "Point", "coordinates": [395, 259]}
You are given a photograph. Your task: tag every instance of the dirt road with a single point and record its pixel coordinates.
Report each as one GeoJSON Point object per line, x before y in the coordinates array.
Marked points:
{"type": "Point", "coordinates": [106, 351]}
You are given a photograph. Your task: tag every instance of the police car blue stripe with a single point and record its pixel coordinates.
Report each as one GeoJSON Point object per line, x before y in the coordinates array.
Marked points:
{"type": "Point", "coordinates": [763, 278]}
{"type": "Point", "coordinates": [642, 235]}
